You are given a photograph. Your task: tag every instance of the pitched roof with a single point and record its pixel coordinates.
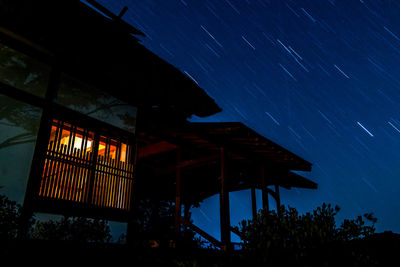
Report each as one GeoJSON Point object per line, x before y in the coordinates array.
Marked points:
{"type": "Point", "coordinates": [200, 145]}
{"type": "Point", "coordinates": [104, 51]}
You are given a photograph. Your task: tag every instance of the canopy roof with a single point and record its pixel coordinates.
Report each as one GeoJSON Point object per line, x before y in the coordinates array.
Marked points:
{"type": "Point", "coordinates": [103, 50]}
{"type": "Point", "coordinates": [200, 145]}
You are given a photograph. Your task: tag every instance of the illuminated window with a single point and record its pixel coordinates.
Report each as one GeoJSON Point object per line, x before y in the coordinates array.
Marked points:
{"type": "Point", "coordinates": [85, 167]}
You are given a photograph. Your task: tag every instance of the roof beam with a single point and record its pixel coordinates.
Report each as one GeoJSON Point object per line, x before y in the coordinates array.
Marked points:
{"type": "Point", "coordinates": [199, 161]}
{"type": "Point", "coordinates": [155, 149]}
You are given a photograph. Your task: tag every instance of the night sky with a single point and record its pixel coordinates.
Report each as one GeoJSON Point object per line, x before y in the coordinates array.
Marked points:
{"type": "Point", "coordinates": [320, 78]}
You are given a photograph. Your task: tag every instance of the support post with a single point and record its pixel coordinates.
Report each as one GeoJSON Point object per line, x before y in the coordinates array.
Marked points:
{"type": "Point", "coordinates": [253, 202]}
{"type": "Point", "coordinates": [38, 160]}
{"type": "Point", "coordinates": [186, 211]}
{"type": "Point", "coordinates": [178, 193]}
{"type": "Point", "coordinates": [277, 199]}
{"type": "Point", "coordinates": [264, 188]}
{"type": "Point", "coordinates": [132, 227]}
{"type": "Point", "coordinates": [224, 203]}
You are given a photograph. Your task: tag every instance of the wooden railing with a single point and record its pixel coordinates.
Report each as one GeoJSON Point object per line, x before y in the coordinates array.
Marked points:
{"type": "Point", "coordinates": [82, 174]}
{"type": "Point", "coordinates": [197, 230]}
{"type": "Point", "coordinates": [66, 175]}
{"type": "Point", "coordinates": [113, 183]}
{"type": "Point", "coordinates": [237, 232]}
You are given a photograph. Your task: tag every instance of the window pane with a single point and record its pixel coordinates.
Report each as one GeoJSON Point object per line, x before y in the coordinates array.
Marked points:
{"type": "Point", "coordinates": [23, 72]}
{"type": "Point", "coordinates": [19, 123]}
{"type": "Point", "coordinates": [96, 103]}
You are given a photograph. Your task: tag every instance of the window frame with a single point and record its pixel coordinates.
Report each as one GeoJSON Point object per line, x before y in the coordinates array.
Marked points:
{"type": "Point", "coordinates": [94, 127]}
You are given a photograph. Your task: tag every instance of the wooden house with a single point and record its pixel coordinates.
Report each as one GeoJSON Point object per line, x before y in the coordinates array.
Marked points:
{"type": "Point", "coordinates": [91, 120]}
{"type": "Point", "coordinates": [78, 84]}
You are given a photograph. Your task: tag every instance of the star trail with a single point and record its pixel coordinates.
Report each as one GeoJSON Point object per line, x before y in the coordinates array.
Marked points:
{"type": "Point", "coordinates": [320, 78]}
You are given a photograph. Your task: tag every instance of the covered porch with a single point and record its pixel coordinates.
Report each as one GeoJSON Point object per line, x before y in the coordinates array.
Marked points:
{"type": "Point", "coordinates": [188, 164]}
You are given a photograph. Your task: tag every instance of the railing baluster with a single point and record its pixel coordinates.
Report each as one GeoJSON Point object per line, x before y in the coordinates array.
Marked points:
{"type": "Point", "coordinates": [60, 184]}
{"type": "Point", "coordinates": [67, 187]}
{"type": "Point", "coordinates": [84, 179]}
{"type": "Point", "coordinates": [79, 175]}
{"type": "Point", "coordinates": [74, 178]}
{"type": "Point", "coordinates": [46, 171]}
{"type": "Point", "coordinates": [57, 140]}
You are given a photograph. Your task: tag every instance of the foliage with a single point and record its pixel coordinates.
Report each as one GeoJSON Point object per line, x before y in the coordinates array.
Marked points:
{"type": "Point", "coordinates": [287, 238]}
{"type": "Point", "coordinates": [77, 229]}
{"type": "Point", "coordinates": [11, 218]}
{"type": "Point", "coordinates": [155, 220]}
{"type": "Point", "coordinates": [71, 229]}
{"type": "Point", "coordinates": [10, 213]}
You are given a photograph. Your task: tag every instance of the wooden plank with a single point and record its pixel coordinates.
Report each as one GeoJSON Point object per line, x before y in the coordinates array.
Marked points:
{"type": "Point", "coordinates": [96, 181]}
{"type": "Point", "coordinates": [103, 180]}
{"type": "Point", "coordinates": [131, 177]}
{"type": "Point", "coordinates": [107, 193]}
{"type": "Point", "coordinates": [74, 177]}
{"type": "Point", "coordinates": [86, 177]}
{"type": "Point", "coordinates": [113, 181]}
{"type": "Point", "coordinates": [81, 173]}
{"type": "Point", "coordinates": [278, 199]}
{"type": "Point", "coordinates": [199, 161]}
{"type": "Point", "coordinates": [154, 149]}
{"type": "Point", "coordinates": [92, 174]}
{"type": "Point", "coordinates": [224, 202]}
{"type": "Point", "coordinates": [253, 202]}
{"type": "Point", "coordinates": [121, 193]}
{"type": "Point", "coordinates": [237, 232]}
{"type": "Point", "coordinates": [63, 173]}
{"type": "Point", "coordinates": [46, 171]}
{"type": "Point", "coordinates": [57, 174]}
{"type": "Point", "coordinates": [67, 172]}
{"type": "Point", "coordinates": [264, 188]}
{"type": "Point", "coordinates": [82, 156]}
{"type": "Point", "coordinates": [202, 233]}
{"type": "Point", "coordinates": [73, 165]}
{"type": "Point", "coordinates": [55, 159]}
{"type": "Point", "coordinates": [178, 192]}
{"type": "Point", "coordinates": [103, 183]}
{"type": "Point", "coordinates": [117, 178]}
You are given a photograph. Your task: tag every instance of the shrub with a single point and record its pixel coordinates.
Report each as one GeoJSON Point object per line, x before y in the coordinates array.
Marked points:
{"type": "Point", "coordinates": [287, 238]}
{"type": "Point", "coordinates": [10, 213]}
{"type": "Point", "coordinates": [75, 229]}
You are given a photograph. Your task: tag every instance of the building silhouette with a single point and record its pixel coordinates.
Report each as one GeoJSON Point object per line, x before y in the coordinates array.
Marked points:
{"type": "Point", "coordinates": [91, 123]}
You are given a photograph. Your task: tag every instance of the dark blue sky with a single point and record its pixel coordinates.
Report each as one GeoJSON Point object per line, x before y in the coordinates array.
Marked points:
{"type": "Point", "coordinates": [320, 78]}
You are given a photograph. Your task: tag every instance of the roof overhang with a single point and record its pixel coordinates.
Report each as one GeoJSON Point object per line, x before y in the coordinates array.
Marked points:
{"type": "Point", "coordinates": [103, 51]}
{"type": "Point", "coordinates": [200, 144]}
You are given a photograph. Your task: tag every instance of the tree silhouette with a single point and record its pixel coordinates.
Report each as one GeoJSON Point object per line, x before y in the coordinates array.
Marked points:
{"type": "Point", "coordinates": [313, 239]}
{"type": "Point", "coordinates": [76, 229]}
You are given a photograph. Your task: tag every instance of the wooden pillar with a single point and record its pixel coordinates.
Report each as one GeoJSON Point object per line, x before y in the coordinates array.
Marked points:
{"type": "Point", "coordinates": [178, 193]}
{"type": "Point", "coordinates": [264, 188]}
{"type": "Point", "coordinates": [38, 160]}
{"type": "Point", "coordinates": [224, 203]}
{"type": "Point", "coordinates": [277, 199]}
{"type": "Point", "coordinates": [253, 202]}
{"type": "Point", "coordinates": [132, 227]}
{"type": "Point", "coordinates": [186, 211]}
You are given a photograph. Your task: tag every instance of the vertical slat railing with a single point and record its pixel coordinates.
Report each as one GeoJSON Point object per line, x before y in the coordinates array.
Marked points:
{"type": "Point", "coordinates": [77, 174]}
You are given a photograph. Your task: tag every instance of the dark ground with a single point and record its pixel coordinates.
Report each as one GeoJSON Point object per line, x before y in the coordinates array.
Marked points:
{"type": "Point", "coordinates": [382, 248]}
